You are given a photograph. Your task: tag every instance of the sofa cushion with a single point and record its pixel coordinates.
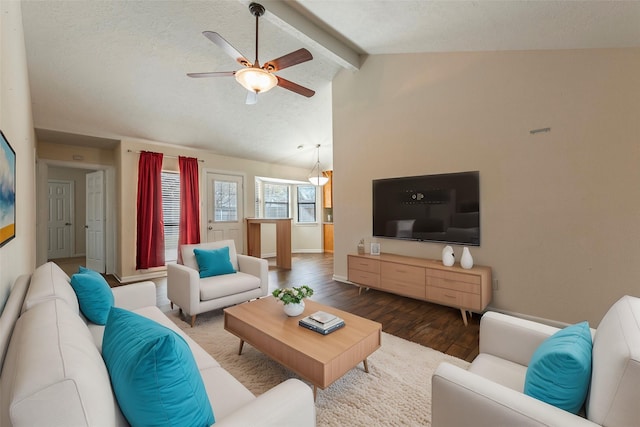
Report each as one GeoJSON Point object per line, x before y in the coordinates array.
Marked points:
{"type": "Point", "coordinates": [94, 296]}
{"type": "Point", "coordinates": [53, 373]}
{"type": "Point", "coordinates": [560, 369]}
{"type": "Point", "coordinates": [189, 258]}
{"type": "Point", "coordinates": [229, 284]}
{"type": "Point", "coordinates": [50, 282]}
{"type": "Point", "coordinates": [153, 373]}
{"type": "Point", "coordinates": [213, 262]}
{"type": "Point", "coordinates": [614, 394]}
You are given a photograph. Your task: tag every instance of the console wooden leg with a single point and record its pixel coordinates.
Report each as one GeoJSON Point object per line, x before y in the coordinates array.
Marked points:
{"type": "Point", "coordinates": [464, 316]}
{"type": "Point", "coordinates": [366, 365]}
{"type": "Point", "coordinates": [240, 349]}
{"type": "Point", "coordinates": [315, 392]}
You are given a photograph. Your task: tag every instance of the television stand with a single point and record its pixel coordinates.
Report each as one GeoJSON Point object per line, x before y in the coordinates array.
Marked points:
{"type": "Point", "coordinates": [424, 279]}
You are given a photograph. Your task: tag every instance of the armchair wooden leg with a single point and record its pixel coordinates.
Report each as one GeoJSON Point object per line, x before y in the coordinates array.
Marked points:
{"type": "Point", "coordinates": [193, 320]}
{"type": "Point", "coordinates": [171, 303]}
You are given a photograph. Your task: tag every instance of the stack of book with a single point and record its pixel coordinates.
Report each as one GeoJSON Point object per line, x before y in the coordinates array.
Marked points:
{"type": "Point", "coordinates": [322, 322]}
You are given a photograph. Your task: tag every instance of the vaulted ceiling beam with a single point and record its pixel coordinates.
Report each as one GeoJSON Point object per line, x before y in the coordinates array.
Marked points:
{"type": "Point", "coordinates": [294, 23]}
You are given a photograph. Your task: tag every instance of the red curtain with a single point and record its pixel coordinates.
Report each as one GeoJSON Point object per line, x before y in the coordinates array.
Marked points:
{"type": "Point", "coordinates": [150, 233]}
{"type": "Point", "coordinates": [189, 203]}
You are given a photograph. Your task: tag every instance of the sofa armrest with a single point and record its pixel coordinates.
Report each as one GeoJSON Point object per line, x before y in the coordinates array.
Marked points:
{"type": "Point", "coordinates": [512, 338]}
{"type": "Point", "coordinates": [135, 295]}
{"type": "Point", "coordinates": [256, 267]}
{"type": "Point", "coordinates": [290, 403]}
{"type": "Point", "coordinates": [461, 398]}
{"type": "Point", "coordinates": [183, 287]}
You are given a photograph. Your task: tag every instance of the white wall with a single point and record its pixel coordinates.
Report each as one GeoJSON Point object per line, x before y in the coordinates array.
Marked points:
{"type": "Point", "coordinates": [560, 211]}
{"type": "Point", "coordinates": [127, 165]}
{"type": "Point", "coordinates": [17, 256]}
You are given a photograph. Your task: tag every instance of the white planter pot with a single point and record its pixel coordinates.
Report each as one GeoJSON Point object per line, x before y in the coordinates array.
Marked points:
{"type": "Point", "coordinates": [294, 309]}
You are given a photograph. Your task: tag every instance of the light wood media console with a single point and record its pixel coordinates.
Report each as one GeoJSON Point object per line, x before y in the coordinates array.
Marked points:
{"type": "Point", "coordinates": [424, 279]}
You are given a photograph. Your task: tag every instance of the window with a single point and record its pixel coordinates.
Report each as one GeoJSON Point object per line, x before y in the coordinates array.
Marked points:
{"type": "Point", "coordinates": [306, 203]}
{"type": "Point", "coordinates": [276, 200]}
{"type": "Point", "coordinates": [171, 214]}
{"type": "Point", "coordinates": [226, 201]}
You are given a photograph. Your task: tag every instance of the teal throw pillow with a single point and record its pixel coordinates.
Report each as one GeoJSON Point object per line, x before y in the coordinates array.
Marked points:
{"type": "Point", "coordinates": [94, 296]}
{"type": "Point", "coordinates": [214, 262]}
{"type": "Point", "coordinates": [83, 270]}
{"type": "Point", "coordinates": [153, 373]}
{"type": "Point", "coordinates": [559, 372]}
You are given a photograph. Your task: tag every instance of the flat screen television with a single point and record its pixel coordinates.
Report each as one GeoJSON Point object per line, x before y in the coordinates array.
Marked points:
{"type": "Point", "coordinates": [430, 208]}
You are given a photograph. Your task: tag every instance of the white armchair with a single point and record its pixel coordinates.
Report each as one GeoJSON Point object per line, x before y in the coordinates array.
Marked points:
{"type": "Point", "coordinates": [490, 392]}
{"type": "Point", "coordinates": [194, 295]}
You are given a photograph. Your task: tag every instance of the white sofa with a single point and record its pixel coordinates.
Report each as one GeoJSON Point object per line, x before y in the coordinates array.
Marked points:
{"type": "Point", "coordinates": [490, 392]}
{"type": "Point", "coordinates": [53, 373]}
{"type": "Point", "coordinates": [194, 295]}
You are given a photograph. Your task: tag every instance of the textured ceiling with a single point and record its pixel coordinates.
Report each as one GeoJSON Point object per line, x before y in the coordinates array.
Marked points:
{"type": "Point", "coordinates": [115, 69]}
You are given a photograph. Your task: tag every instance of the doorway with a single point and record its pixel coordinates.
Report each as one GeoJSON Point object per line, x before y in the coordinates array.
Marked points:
{"type": "Point", "coordinates": [225, 208]}
{"type": "Point", "coordinates": [77, 173]}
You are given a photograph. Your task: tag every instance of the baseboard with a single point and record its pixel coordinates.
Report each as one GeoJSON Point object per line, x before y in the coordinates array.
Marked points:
{"type": "Point", "coordinates": [342, 279]}
{"type": "Point", "coordinates": [554, 323]}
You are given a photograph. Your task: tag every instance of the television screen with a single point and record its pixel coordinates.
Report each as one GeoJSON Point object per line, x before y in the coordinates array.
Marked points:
{"type": "Point", "coordinates": [434, 208]}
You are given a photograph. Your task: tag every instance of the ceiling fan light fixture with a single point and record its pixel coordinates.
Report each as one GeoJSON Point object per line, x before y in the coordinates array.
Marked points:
{"type": "Point", "coordinates": [256, 79]}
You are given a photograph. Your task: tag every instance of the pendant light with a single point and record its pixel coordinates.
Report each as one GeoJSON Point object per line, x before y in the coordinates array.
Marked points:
{"type": "Point", "coordinates": [317, 176]}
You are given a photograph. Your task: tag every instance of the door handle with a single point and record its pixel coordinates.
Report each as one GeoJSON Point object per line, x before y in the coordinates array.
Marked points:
{"type": "Point", "coordinates": [86, 226]}
{"type": "Point", "coordinates": [67, 223]}
{"type": "Point", "coordinates": [210, 227]}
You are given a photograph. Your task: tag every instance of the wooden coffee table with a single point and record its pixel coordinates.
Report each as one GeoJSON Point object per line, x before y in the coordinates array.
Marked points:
{"type": "Point", "coordinates": [319, 359]}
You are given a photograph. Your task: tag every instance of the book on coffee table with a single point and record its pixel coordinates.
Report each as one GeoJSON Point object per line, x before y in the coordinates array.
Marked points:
{"type": "Point", "coordinates": [322, 328]}
{"type": "Point", "coordinates": [322, 317]}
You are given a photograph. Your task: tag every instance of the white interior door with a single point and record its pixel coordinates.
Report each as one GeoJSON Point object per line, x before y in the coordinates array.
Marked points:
{"type": "Point", "coordinates": [60, 221]}
{"type": "Point", "coordinates": [225, 195]}
{"type": "Point", "coordinates": [95, 221]}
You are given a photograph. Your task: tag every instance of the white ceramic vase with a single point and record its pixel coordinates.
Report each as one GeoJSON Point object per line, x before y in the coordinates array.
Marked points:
{"type": "Point", "coordinates": [448, 258]}
{"type": "Point", "coordinates": [467, 260]}
{"type": "Point", "coordinates": [293, 310]}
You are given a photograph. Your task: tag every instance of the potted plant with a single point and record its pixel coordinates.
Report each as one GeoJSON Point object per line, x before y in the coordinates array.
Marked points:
{"type": "Point", "coordinates": [293, 298]}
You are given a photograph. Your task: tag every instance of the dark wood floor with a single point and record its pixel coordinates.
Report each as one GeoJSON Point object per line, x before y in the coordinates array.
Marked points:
{"type": "Point", "coordinates": [431, 325]}
{"type": "Point", "coordinates": [428, 324]}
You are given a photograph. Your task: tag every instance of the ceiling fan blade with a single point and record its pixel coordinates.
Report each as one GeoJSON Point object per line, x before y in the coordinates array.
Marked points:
{"type": "Point", "coordinates": [213, 74]}
{"type": "Point", "coordinates": [252, 98]}
{"type": "Point", "coordinates": [288, 60]}
{"type": "Point", "coordinates": [226, 46]}
{"type": "Point", "coordinates": [295, 87]}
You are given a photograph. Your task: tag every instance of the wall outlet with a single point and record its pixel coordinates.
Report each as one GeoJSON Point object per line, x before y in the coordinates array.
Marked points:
{"type": "Point", "coordinates": [495, 284]}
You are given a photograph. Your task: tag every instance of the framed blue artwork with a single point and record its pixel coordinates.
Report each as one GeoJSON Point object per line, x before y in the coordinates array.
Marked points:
{"type": "Point", "coordinates": [7, 191]}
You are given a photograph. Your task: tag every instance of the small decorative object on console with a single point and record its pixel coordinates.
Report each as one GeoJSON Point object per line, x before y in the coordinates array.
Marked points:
{"type": "Point", "coordinates": [467, 260]}
{"type": "Point", "coordinates": [361, 247]}
{"type": "Point", "coordinates": [448, 258]}
{"type": "Point", "coordinates": [375, 249]}
{"type": "Point", "coordinates": [292, 298]}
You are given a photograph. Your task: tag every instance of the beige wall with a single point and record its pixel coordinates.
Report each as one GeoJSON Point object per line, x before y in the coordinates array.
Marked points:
{"type": "Point", "coordinates": [560, 211]}
{"type": "Point", "coordinates": [127, 165]}
{"type": "Point", "coordinates": [17, 256]}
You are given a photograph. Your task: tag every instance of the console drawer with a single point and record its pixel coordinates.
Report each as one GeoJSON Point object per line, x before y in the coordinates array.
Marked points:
{"type": "Point", "coordinates": [403, 273]}
{"type": "Point", "coordinates": [403, 288]}
{"type": "Point", "coordinates": [364, 278]}
{"type": "Point", "coordinates": [363, 264]}
{"type": "Point", "coordinates": [454, 298]}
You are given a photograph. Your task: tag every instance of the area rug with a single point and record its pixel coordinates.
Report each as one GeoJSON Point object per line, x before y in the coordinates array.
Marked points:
{"type": "Point", "coordinates": [396, 391]}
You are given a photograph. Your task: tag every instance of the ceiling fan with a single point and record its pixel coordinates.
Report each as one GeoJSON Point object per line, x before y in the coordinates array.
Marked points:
{"type": "Point", "coordinates": [253, 77]}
